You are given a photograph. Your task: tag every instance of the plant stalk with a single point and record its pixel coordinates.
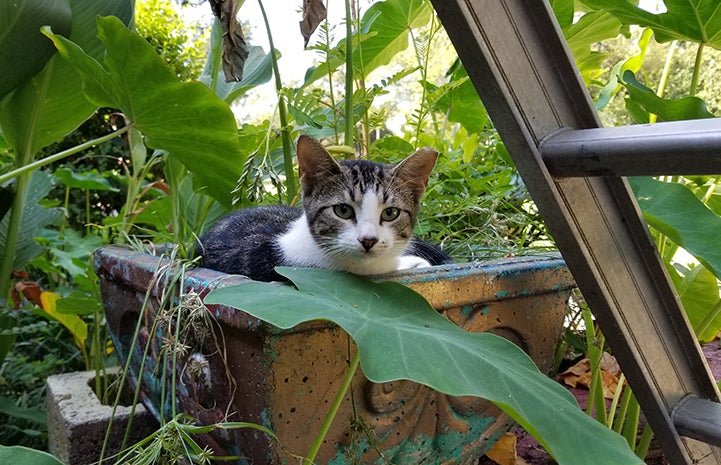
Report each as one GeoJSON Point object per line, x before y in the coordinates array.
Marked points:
{"type": "Point", "coordinates": [345, 386]}
{"type": "Point", "coordinates": [60, 155]}
{"type": "Point", "coordinates": [13, 232]}
{"type": "Point", "coordinates": [348, 75]}
{"type": "Point", "coordinates": [696, 70]}
{"type": "Point", "coordinates": [291, 190]}
{"type": "Point", "coordinates": [664, 76]}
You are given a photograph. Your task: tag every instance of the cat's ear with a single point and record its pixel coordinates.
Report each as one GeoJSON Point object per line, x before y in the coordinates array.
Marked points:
{"type": "Point", "coordinates": [314, 162]}
{"type": "Point", "coordinates": [416, 168]}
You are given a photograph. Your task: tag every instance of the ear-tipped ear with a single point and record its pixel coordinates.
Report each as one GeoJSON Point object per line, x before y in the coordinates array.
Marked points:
{"type": "Point", "coordinates": [314, 162]}
{"type": "Point", "coordinates": [416, 168]}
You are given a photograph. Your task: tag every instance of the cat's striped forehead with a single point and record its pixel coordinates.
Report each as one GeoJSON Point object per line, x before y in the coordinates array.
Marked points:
{"type": "Point", "coordinates": [365, 176]}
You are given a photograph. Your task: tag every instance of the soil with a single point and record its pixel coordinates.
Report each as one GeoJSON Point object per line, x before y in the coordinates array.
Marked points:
{"type": "Point", "coordinates": [531, 453]}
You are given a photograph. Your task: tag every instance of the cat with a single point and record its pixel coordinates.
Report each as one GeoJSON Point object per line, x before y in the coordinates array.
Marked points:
{"type": "Point", "coordinates": [356, 216]}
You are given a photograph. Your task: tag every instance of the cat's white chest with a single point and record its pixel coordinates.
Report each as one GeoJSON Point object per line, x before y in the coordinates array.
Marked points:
{"type": "Point", "coordinates": [299, 248]}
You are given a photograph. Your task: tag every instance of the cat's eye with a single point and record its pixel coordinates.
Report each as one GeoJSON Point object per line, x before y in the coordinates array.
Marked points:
{"type": "Point", "coordinates": [390, 213]}
{"type": "Point", "coordinates": [343, 211]}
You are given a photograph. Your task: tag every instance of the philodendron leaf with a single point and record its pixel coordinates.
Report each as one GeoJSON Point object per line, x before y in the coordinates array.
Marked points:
{"type": "Point", "coordinates": [667, 110]}
{"type": "Point", "coordinates": [387, 24]}
{"type": "Point", "coordinates": [676, 212]}
{"type": "Point", "coordinates": [46, 107]}
{"type": "Point", "coordinates": [185, 119]}
{"type": "Point", "coordinates": [91, 180]}
{"type": "Point", "coordinates": [693, 20]}
{"type": "Point", "coordinates": [18, 455]}
{"type": "Point", "coordinates": [20, 23]}
{"type": "Point", "coordinates": [35, 216]}
{"type": "Point", "coordinates": [699, 294]}
{"type": "Point", "coordinates": [400, 336]}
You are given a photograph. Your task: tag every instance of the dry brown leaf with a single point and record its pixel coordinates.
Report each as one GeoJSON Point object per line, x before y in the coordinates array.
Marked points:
{"type": "Point", "coordinates": [235, 49]}
{"type": "Point", "coordinates": [314, 13]}
{"type": "Point", "coordinates": [504, 451]}
{"type": "Point", "coordinates": [29, 289]}
{"type": "Point", "coordinates": [580, 374]}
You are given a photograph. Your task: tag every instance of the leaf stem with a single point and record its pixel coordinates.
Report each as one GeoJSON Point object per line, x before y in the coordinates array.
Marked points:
{"type": "Point", "coordinates": [348, 75]}
{"type": "Point", "coordinates": [60, 155]}
{"type": "Point", "coordinates": [290, 187]}
{"type": "Point", "coordinates": [664, 76]}
{"type": "Point", "coordinates": [696, 70]}
{"type": "Point", "coordinates": [345, 386]}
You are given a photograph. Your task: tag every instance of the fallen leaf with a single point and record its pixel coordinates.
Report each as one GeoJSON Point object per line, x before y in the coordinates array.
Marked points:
{"type": "Point", "coordinates": [580, 374]}
{"type": "Point", "coordinates": [235, 49]}
{"type": "Point", "coordinates": [504, 451]}
{"type": "Point", "coordinates": [314, 13]}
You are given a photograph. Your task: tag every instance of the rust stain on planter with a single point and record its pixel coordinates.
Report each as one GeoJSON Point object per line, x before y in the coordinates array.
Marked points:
{"type": "Point", "coordinates": [285, 380]}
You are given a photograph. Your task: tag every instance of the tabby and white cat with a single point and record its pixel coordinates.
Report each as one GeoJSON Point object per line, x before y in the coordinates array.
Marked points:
{"type": "Point", "coordinates": [357, 216]}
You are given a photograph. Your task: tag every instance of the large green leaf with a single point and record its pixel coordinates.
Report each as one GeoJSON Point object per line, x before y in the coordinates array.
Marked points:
{"type": "Point", "coordinates": [632, 64]}
{"type": "Point", "coordinates": [641, 101]}
{"type": "Point", "coordinates": [400, 336]}
{"type": "Point", "coordinates": [459, 101]}
{"type": "Point", "coordinates": [18, 455]}
{"type": "Point", "coordinates": [673, 210]}
{"type": "Point", "coordinates": [591, 28]}
{"type": "Point", "coordinates": [185, 119]}
{"type": "Point", "coordinates": [694, 20]}
{"type": "Point", "coordinates": [699, 293]}
{"type": "Point", "coordinates": [387, 25]}
{"type": "Point", "coordinates": [48, 106]}
{"type": "Point", "coordinates": [35, 216]}
{"type": "Point", "coordinates": [20, 23]}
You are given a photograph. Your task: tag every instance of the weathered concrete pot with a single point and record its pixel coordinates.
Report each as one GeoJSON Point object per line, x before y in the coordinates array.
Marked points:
{"type": "Point", "coordinates": [78, 421]}
{"type": "Point", "coordinates": [285, 380]}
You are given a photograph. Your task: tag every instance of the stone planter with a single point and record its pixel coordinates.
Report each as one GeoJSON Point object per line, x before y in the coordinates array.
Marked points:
{"type": "Point", "coordinates": [78, 420]}
{"type": "Point", "coordinates": [285, 380]}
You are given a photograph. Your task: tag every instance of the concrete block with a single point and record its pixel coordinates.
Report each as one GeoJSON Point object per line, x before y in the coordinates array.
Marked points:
{"type": "Point", "coordinates": [78, 421]}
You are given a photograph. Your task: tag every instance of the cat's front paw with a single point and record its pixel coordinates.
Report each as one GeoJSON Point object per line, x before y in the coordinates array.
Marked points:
{"type": "Point", "coordinates": [411, 261]}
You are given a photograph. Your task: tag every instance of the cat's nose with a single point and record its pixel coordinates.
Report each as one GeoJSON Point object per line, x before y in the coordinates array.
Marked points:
{"type": "Point", "coordinates": [368, 242]}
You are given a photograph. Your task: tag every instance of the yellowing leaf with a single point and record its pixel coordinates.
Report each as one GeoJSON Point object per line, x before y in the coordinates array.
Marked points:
{"type": "Point", "coordinates": [73, 323]}
{"type": "Point", "coordinates": [504, 451]}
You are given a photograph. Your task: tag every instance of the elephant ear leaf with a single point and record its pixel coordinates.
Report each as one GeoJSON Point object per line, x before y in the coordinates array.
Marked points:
{"type": "Point", "coordinates": [400, 336]}
{"type": "Point", "coordinates": [20, 23]}
{"type": "Point", "coordinates": [187, 120]}
{"type": "Point", "coordinates": [691, 20]}
{"type": "Point", "coordinates": [642, 101]}
{"type": "Point", "coordinates": [676, 212]}
{"type": "Point", "coordinates": [35, 216]}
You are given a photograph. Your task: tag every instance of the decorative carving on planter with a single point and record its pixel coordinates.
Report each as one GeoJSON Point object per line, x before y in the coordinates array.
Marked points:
{"type": "Point", "coordinates": [238, 368]}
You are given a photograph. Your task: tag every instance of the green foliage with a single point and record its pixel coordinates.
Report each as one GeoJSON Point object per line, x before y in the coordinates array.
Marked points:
{"type": "Point", "coordinates": [186, 120]}
{"type": "Point", "coordinates": [694, 20]}
{"type": "Point", "coordinates": [20, 23]}
{"type": "Point", "coordinates": [35, 217]}
{"type": "Point", "coordinates": [180, 44]}
{"type": "Point", "coordinates": [400, 336]}
{"type": "Point", "coordinates": [642, 102]}
{"type": "Point", "coordinates": [24, 456]}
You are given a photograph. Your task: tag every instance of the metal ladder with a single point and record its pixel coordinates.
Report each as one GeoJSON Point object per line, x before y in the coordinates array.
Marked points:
{"type": "Point", "coordinates": [517, 58]}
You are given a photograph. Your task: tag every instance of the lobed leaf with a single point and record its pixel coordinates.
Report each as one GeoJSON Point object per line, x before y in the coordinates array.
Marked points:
{"type": "Point", "coordinates": [46, 107]}
{"type": "Point", "coordinates": [694, 20]}
{"type": "Point", "coordinates": [676, 212]}
{"type": "Point", "coordinates": [185, 119]}
{"type": "Point", "coordinates": [400, 336]}
{"type": "Point", "coordinates": [20, 23]}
